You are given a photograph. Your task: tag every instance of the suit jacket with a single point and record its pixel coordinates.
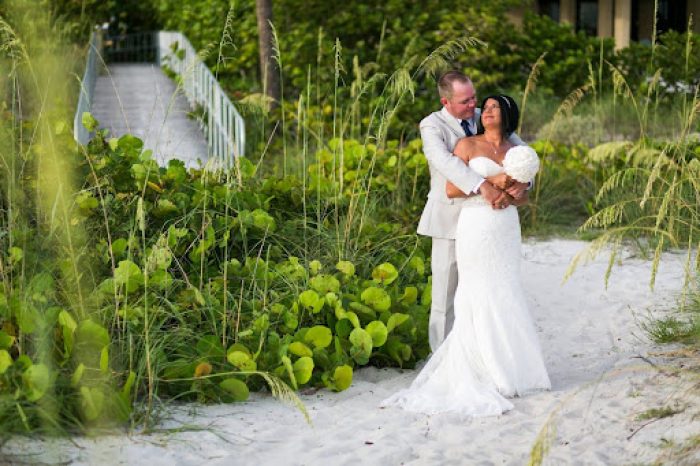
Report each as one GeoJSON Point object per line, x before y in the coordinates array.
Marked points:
{"type": "Point", "coordinates": [440, 132]}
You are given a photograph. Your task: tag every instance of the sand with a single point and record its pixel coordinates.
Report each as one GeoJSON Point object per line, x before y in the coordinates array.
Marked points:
{"type": "Point", "coordinates": [605, 374]}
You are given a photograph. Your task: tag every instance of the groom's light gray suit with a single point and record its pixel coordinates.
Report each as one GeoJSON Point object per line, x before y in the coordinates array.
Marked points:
{"type": "Point", "coordinates": [440, 132]}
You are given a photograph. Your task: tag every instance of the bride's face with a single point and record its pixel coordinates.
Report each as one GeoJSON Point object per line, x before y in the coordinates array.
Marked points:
{"type": "Point", "coordinates": [491, 114]}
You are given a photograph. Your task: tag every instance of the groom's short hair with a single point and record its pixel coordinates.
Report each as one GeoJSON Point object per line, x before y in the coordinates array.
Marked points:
{"type": "Point", "coordinates": [447, 79]}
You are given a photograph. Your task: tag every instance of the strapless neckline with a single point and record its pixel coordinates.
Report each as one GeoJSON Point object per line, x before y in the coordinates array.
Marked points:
{"type": "Point", "coordinates": [487, 158]}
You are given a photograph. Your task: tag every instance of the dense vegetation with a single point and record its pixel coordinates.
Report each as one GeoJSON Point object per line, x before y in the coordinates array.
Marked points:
{"type": "Point", "coordinates": [123, 283]}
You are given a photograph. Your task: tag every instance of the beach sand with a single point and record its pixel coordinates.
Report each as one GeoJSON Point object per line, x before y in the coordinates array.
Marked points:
{"type": "Point", "coordinates": [605, 373]}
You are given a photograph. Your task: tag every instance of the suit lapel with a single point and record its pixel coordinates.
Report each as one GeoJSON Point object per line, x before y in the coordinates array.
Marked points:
{"type": "Point", "coordinates": [451, 122]}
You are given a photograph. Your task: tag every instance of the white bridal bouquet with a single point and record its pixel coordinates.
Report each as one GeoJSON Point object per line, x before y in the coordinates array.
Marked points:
{"type": "Point", "coordinates": [521, 163]}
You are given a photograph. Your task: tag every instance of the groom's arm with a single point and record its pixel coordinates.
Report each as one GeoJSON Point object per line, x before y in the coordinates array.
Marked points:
{"type": "Point", "coordinates": [441, 158]}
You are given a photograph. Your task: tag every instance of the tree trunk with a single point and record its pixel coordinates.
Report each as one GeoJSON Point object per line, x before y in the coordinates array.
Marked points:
{"type": "Point", "coordinates": [269, 71]}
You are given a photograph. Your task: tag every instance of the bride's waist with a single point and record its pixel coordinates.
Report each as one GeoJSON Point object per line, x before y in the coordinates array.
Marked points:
{"type": "Point", "coordinates": [475, 201]}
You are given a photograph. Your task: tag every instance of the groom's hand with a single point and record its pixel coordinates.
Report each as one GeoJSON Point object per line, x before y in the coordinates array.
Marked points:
{"type": "Point", "coordinates": [489, 192]}
{"type": "Point", "coordinates": [517, 190]}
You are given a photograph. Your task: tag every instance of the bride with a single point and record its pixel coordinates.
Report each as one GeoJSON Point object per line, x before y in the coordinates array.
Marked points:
{"type": "Point", "coordinates": [492, 351]}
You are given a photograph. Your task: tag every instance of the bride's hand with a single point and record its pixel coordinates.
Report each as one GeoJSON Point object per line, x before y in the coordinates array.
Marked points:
{"type": "Point", "coordinates": [501, 181]}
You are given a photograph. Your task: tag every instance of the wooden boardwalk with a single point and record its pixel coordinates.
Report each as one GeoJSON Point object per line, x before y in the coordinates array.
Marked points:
{"type": "Point", "coordinates": [139, 99]}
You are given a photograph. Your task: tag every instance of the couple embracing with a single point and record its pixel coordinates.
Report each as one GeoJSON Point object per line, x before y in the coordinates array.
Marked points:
{"type": "Point", "coordinates": [485, 347]}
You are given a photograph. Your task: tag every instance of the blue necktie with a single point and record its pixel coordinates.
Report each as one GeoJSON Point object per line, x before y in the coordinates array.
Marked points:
{"type": "Point", "coordinates": [465, 127]}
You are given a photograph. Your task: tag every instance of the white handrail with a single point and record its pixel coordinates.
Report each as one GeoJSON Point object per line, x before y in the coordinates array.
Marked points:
{"type": "Point", "coordinates": [225, 127]}
{"type": "Point", "coordinates": [87, 90]}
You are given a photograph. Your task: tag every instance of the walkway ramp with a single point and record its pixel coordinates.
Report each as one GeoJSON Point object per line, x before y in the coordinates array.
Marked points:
{"type": "Point", "coordinates": [134, 96]}
{"type": "Point", "coordinates": [139, 99]}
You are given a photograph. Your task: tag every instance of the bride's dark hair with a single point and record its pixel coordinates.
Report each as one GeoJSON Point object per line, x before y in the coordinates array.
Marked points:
{"type": "Point", "coordinates": [509, 114]}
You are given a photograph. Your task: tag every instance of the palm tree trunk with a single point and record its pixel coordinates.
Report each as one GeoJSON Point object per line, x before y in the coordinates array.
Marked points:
{"type": "Point", "coordinates": [268, 66]}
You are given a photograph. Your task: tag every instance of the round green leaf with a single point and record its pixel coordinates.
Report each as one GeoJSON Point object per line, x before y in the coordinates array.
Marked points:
{"type": "Point", "coordinates": [298, 348]}
{"type": "Point", "coordinates": [92, 402]}
{"type": "Point", "coordinates": [376, 298]}
{"type": "Point", "coordinates": [417, 264]}
{"type": "Point", "coordinates": [342, 377]}
{"type": "Point", "coordinates": [129, 275]}
{"type": "Point", "coordinates": [385, 273]}
{"type": "Point", "coordinates": [236, 388]}
{"type": "Point", "coordinates": [325, 283]}
{"type": "Point", "coordinates": [241, 360]}
{"type": "Point", "coordinates": [303, 369]}
{"type": "Point", "coordinates": [91, 336]}
{"type": "Point", "coordinates": [319, 336]}
{"type": "Point", "coordinates": [36, 381]}
{"type": "Point", "coordinates": [377, 330]}
{"type": "Point", "coordinates": [5, 361]}
{"type": "Point", "coordinates": [347, 268]}
{"type": "Point", "coordinates": [361, 348]}
{"type": "Point", "coordinates": [395, 320]}
{"type": "Point", "coordinates": [311, 301]}
{"type": "Point", "coordinates": [410, 295]}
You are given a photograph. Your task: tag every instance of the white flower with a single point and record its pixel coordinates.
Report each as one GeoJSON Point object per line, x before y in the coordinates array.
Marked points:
{"type": "Point", "coordinates": [521, 163]}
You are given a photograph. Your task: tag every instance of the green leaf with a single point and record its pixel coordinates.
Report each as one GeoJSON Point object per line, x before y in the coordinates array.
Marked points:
{"type": "Point", "coordinates": [352, 317]}
{"type": "Point", "coordinates": [319, 336]}
{"type": "Point", "coordinates": [92, 402]}
{"type": "Point", "coordinates": [88, 121]}
{"type": "Point", "coordinates": [410, 295]}
{"type": "Point", "coordinates": [68, 327]}
{"type": "Point", "coordinates": [311, 301]}
{"type": "Point", "coordinates": [298, 348]}
{"type": "Point", "coordinates": [5, 361]}
{"type": "Point", "coordinates": [263, 220]}
{"type": "Point", "coordinates": [113, 143]}
{"type": "Point", "coordinates": [325, 283]}
{"type": "Point", "coordinates": [364, 311]}
{"type": "Point", "coordinates": [241, 360]}
{"type": "Point", "coordinates": [119, 246]}
{"type": "Point", "coordinates": [315, 266]}
{"type": "Point", "coordinates": [417, 264]}
{"type": "Point", "coordinates": [86, 201]}
{"type": "Point", "coordinates": [361, 348]}
{"type": "Point", "coordinates": [129, 275]}
{"type": "Point", "coordinates": [377, 330]}
{"type": "Point", "coordinates": [376, 298]}
{"type": "Point", "coordinates": [16, 255]}
{"type": "Point", "coordinates": [77, 375]}
{"type": "Point", "coordinates": [347, 268]}
{"type": "Point", "coordinates": [36, 381]}
{"type": "Point", "coordinates": [91, 337]}
{"type": "Point", "coordinates": [385, 273]}
{"type": "Point", "coordinates": [342, 377]}
{"type": "Point", "coordinates": [104, 360]}
{"type": "Point", "coordinates": [126, 389]}
{"type": "Point", "coordinates": [303, 369]}
{"type": "Point", "coordinates": [395, 320]}
{"type": "Point", "coordinates": [427, 297]}
{"type": "Point", "coordinates": [236, 388]}
{"type": "Point", "coordinates": [399, 351]}
{"type": "Point", "coordinates": [6, 340]}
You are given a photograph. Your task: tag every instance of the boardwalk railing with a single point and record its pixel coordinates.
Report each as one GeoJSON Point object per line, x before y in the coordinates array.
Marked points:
{"type": "Point", "coordinates": [224, 126]}
{"type": "Point", "coordinates": [87, 90]}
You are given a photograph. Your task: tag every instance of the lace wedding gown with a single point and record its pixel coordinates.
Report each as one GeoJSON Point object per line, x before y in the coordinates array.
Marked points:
{"type": "Point", "coordinates": [492, 351]}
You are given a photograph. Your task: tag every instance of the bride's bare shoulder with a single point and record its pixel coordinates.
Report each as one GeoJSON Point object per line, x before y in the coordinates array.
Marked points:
{"type": "Point", "coordinates": [464, 144]}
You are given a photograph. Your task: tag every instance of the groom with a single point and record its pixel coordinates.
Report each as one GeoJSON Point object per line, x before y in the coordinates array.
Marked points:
{"type": "Point", "coordinates": [440, 131]}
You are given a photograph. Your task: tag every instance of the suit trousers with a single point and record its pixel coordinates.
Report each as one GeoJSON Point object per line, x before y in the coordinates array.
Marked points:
{"type": "Point", "coordinates": [444, 268]}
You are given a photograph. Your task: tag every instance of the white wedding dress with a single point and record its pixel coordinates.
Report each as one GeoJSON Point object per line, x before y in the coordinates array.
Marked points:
{"type": "Point", "coordinates": [492, 351]}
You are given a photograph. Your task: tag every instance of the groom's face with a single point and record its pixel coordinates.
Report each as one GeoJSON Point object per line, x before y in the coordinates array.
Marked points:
{"type": "Point", "coordinates": [463, 101]}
